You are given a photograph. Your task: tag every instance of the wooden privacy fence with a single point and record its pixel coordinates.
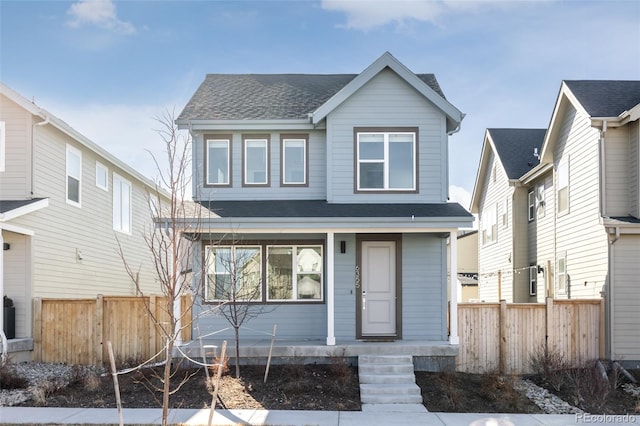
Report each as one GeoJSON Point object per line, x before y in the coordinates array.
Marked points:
{"type": "Point", "coordinates": [75, 331]}
{"type": "Point", "coordinates": [502, 337]}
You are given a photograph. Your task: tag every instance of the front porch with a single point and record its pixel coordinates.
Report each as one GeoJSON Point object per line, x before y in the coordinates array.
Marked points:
{"type": "Point", "coordinates": [427, 355]}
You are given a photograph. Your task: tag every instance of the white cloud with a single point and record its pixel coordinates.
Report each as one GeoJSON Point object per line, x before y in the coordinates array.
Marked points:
{"type": "Point", "coordinates": [101, 13]}
{"type": "Point", "coordinates": [458, 194]}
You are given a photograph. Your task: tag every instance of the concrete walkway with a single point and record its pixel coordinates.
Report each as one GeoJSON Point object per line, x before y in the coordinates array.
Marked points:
{"type": "Point", "coordinates": [374, 415]}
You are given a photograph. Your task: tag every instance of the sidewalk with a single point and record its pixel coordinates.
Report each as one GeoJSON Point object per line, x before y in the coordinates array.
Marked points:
{"type": "Point", "coordinates": [152, 416]}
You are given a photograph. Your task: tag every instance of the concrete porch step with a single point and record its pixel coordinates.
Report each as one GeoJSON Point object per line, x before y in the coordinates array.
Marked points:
{"type": "Point", "coordinates": [391, 399]}
{"type": "Point", "coordinates": [385, 369]}
{"type": "Point", "coordinates": [400, 389]}
{"type": "Point", "coordinates": [385, 359]}
{"type": "Point", "coordinates": [388, 380]}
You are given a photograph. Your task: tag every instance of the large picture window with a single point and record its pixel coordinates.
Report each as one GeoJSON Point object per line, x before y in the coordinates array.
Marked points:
{"type": "Point", "coordinates": [256, 161]}
{"type": "Point", "coordinates": [294, 273]}
{"type": "Point", "coordinates": [74, 175]}
{"type": "Point", "coordinates": [234, 273]}
{"type": "Point", "coordinates": [386, 160]}
{"type": "Point", "coordinates": [218, 160]}
{"type": "Point", "coordinates": [294, 160]}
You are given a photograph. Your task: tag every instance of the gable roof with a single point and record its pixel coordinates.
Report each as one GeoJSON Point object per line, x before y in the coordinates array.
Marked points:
{"type": "Point", "coordinates": [514, 151]}
{"type": "Point", "coordinates": [10, 209]}
{"type": "Point", "coordinates": [246, 97]}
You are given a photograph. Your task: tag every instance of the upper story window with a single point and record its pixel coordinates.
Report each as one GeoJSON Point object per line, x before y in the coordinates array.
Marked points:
{"type": "Point", "coordinates": [531, 198]}
{"type": "Point", "coordinates": [533, 280]}
{"type": "Point", "coordinates": [563, 186]}
{"type": "Point", "coordinates": [386, 160]}
{"type": "Point", "coordinates": [540, 202]}
{"type": "Point", "coordinates": [102, 176]}
{"type": "Point", "coordinates": [561, 272]}
{"type": "Point", "coordinates": [121, 204]}
{"type": "Point", "coordinates": [2, 145]}
{"type": "Point", "coordinates": [217, 160]}
{"type": "Point", "coordinates": [256, 160]}
{"type": "Point", "coordinates": [489, 225]}
{"type": "Point", "coordinates": [294, 160]}
{"type": "Point", "coordinates": [504, 215]}
{"type": "Point", "coordinates": [74, 175]}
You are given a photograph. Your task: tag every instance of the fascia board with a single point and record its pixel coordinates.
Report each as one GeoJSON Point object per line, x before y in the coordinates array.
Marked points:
{"type": "Point", "coordinates": [480, 174]}
{"type": "Point", "coordinates": [535, 173]}
{"type": "Point", "coordinates": [387, 60]}
{"type": "Point", "coordinates": [206, 125]}
{"type": "Point", "coordinates": [26, 209]}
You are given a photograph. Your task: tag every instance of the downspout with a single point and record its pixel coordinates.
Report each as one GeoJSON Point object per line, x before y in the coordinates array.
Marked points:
{"type": "Point", "coordinates": [33, 131]}
{"type": "Point", "coordinates": [608, 300]}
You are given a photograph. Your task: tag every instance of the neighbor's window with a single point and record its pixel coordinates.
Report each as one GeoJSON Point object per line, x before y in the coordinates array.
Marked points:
{"type": "Point", "coordinates": [102, 176]}
{"type": "Point", "coordinates": [294, 273]}
{"type": "Point", "coordinates": [256, 161]}
{"type": "Point", "coordinates": [505, 213]}
{"type": "Point", "coordinates": [121, 204]}
{"type": "Point", "coordinates": [489, 226]}
{"type": "Point", "coordinates": [74, 175]}
{"type": "Point", "coordinates": [234, 273]}
{"type": "Point", "coordinates": [563, 186]}
{"type": "Point", "coordinates": [294, 161]}
{"type": "Point", "coordinates": [540, 203]}
{"type": "Point", "coordinates": [218, 160]}
{"type": "Point", "coordinates": [533, 280]}
{"type": "Point", "coordinates": [532, 205]}
{"type": "Point", "coordinates": [386, 160]}
{"type": "Point", "coordinates": [561, 273]}
{"type": "Point", "coordinates": [2, 145]}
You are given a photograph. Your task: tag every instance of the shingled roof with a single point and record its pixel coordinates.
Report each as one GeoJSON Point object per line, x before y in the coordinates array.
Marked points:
{"type": "Point", "coordinates": [605, 98]}
{"type": "Point", "coordinates": [515, 149]}
{"type": "Point", "coordinates": [268, 96]}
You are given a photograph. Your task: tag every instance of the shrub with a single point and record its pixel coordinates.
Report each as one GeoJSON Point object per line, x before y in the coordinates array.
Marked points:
{"type": "Point", "coordinates": [9, 378]}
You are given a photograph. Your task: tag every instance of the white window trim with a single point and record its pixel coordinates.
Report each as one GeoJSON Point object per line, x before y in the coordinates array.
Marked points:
{"type": "Point", "coordinates": [533, 280]}
{"type": "Point", "coordinates": [540, 201]}
{"type": "Point", "coordinates": [563, 169]}
{"type": "Point", "coordinates": [73, 151]}
{"type": "Point", "coordinates": [101, 168]}
{"type": "Point", "coordinates": [505, 213]}
{"type": "Point", "coordinates": [531, 205]}
{"type": "Point", "coordinates": [245, 178]}
{"type": "Point", "coordinates": [562, 256]}
{"type": "Point", "coordinates": [284, 161]}
{"type": "Point", "coordinates": [228, 181]}
{"type": "Point", "coordinates": [3, 151]}
{"type": "Point", "coordinates": [208, 252]}
{"type": "Point", "coordinates": [117, 203]}
{"type": "Point", "coordinates": [490, 225]}
{"type": "Point", "coordinates": [385, 162]}
{"type": "Point", "coordinates": [294, 290]}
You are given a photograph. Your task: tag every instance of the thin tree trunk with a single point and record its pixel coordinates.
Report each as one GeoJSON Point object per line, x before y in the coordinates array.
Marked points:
{"type": "Point", "coordinates": [237, 333]}
{"type": "Point", "coordinates": [167, 383]}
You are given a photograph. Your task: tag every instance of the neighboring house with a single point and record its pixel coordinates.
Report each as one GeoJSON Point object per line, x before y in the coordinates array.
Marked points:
{"type": "Point", "coordinates": [331, 192]}
{"type": "Point", "coordinates": [64, 204]}
{"type": "Point", "coordinates": [582, 210]}
{"type": "Point", "coordinates": [467, 266]}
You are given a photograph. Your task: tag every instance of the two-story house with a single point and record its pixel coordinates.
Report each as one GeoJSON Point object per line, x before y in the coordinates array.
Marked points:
{"type": "Point", "coordinates": [330, 192]}
{"type": "Point", "coordinates": [65, 203]}
{"type": "Point", "coordinates": [579, 224]}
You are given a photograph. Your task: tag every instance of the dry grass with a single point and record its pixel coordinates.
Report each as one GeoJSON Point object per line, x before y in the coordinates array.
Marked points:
{"type": "Point", "coordinates": [9, 379]}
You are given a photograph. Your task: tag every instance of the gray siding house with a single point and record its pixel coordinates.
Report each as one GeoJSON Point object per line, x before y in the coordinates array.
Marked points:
{"type": "Point", "coordinates": [329, 192]}
{"type": "Point", "coordinates": [576, 221]}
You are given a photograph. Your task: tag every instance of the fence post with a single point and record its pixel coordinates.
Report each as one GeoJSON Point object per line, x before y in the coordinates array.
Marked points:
{"type": "Point", "coordinates": [499, 286]}
{"type": "Point", "coordinates": [152, 325]}
{"type": "Point", "coordinates": [602, 321]}
{"type": "Point", "coordinates": [548, 320]}
{"type": "Point", "coordinates": [98, 330]}
{"type": "Point", "coordinates": [502, 349]}
{"type": "Point", "coordinates": [37, 328]}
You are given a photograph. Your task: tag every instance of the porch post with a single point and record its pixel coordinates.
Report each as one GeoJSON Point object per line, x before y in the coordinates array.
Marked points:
{"type": "Point", "coordinates": [453, 285]}
{"type": "Point", "coordinates": [331, 338]}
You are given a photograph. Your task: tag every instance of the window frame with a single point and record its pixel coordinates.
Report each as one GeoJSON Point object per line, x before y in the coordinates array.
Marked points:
{"type": "Point", "coordinates": [533, 280]}
{"type": "Point", "coordinates": [102, 169]}
{"type": "Point", "coordinates": [490, 226]}
{"type": "Point", "coordinates": [233, 247]}
{"type": "Point", "coordinates": [264, 298]}
{"type": "Point", "coordinates": [563, 178]}
{"type": "Point", "coordinates": [540, 201]}
{"type": "Point", "coordinates": [71, 150]}
{"type": "Point", "coordinates": [267, 156]}
{"type": "Point", "coordinates": [295, 273]}
{"type": "Point", "coordinates": [385, 131]}
{"type": "Point", "coordinates": [531, 203]}
{"type": "Point", "coordinates": [561, 274]}
{"type": "Point", "coordinates": [118, 207]}
{"type": "Point", "coordinates": [505, 213]}
{"type": "Point", "coordinates": [218, 138]}
{"type": "Point", "coordinates": [283, 172]}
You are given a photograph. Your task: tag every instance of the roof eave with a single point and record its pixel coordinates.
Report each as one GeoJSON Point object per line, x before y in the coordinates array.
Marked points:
{"type": "Point", "coordinates": [23, 210]}
{"type": "Point", "coordinates": [252, 124]}
{"type": "Point", "coordinates": [535, 173]}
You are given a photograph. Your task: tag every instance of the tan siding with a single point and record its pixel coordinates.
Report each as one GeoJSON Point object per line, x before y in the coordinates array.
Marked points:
{"type": "Point", "coordinates": [625, 290]}
{"type": "Point", "coordinates": [16, 278]}
{"type": "Point", "coordinates": [388, 101]}
{"type": "Point", "coordinates": [634, 169]}
{"type": "Point", "coordinates": [541, 235]}
{"type": "Point", "coordinates": [578, 232]}
{"type": "Point", "coordinates": [494, 257]}
{"type": "Point", "coordinates": [617, 172]}
{"type": "Point", "coordinates": [520, 261]}
{"type": "Point", "coordinates": [14, 181]}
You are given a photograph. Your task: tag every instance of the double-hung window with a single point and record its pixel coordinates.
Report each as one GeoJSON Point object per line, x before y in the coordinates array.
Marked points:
{"type": "Point", "coordinates": [256, 160]}
{"type": "Point", "coordinates": [561, 272]}
{"type": "Point", "coordinates": [533, 280]}
{"type": "Point", "coordinates": [294, 273]}
{"type": "Point", "coordinates": [294, 160]}
{"type": "Point", "coordinates": [563, 186]}
{"type": "Point", "coordinates": [102, 176]}
{"type": "Point", "coordinates": [386, 160]}
{"type": "Point", "coordinates": [74, 175]}
{"type": "Point", "coordinates": [218, 160]}
{"type": "Point", "coordinates": [489, 225]}
{"type": "Point", "coordinates": [234, 273]}
{"type": "Point", "coordinates": [532, 205]}
{"type": "Point", "coordinates": [121, 204]}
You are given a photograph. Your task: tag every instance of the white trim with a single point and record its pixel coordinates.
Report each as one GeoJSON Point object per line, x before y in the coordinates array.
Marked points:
{"type": "Point", "coordinates": [304, 160]}
{"type": "Point", "coordinates": [264, 144]}
{"type": "Point", "coordinates": [117, 204]}
{"type": "Point", "coordinates": [100, 169]}
{"type": "Point", "coordinates": [26, 209]}
{"type": "Point", "coordinates": [330, 295]}
{"type": "Point", "coordinates": [385, 161]}
{"type": "Point", "coordinates": [17, 229]}
{"type": "Point", "coordinates": [228, 180]}
{"type": "Point", "coordinates": [3, 152]}
{"type": "Point", "coordinates": [71, 150]}
{"type": "Point", "coordinates": [454, 339]}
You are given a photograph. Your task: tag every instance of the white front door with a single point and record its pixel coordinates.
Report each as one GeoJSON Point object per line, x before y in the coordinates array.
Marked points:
{"type": "Point", "coordinates": [378, 307]}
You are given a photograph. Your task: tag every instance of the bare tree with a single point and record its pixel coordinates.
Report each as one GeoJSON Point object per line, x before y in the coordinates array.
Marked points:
{"type": "Point", "coordinates": [234, 276]}
{"type": "Point", "coordinates": [170, 248]}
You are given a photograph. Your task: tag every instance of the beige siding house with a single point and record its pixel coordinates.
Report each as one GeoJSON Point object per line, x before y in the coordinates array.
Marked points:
{"type": "Point", "coordinates": [64, 205]}
{"type": "Point", "coordinates": [582, 207]}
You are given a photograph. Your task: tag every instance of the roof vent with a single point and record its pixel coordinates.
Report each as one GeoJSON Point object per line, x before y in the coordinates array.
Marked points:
{"type": "Point", "coordinates": [535, 153]}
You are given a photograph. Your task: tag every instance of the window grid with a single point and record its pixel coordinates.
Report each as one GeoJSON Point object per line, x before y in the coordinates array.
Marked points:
{"type": "Point", "coordinates": [389, 178]}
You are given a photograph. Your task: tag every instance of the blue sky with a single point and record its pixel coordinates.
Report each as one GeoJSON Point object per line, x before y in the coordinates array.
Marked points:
{"type": "Point", "coordinates": [108, 67]}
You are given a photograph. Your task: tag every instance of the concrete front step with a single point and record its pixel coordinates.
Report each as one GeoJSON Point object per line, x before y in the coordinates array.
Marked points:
{"type": "Point", "coordinates": [385, 359]}
{"type": "Point", "coordinates": [399, 389]}
{"type": "Point", "coordinates": [368, 368]}
{"type": "Point", "coordinates": [387, 378]}
{"type": "Point", "coordinates": [390, 399]}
